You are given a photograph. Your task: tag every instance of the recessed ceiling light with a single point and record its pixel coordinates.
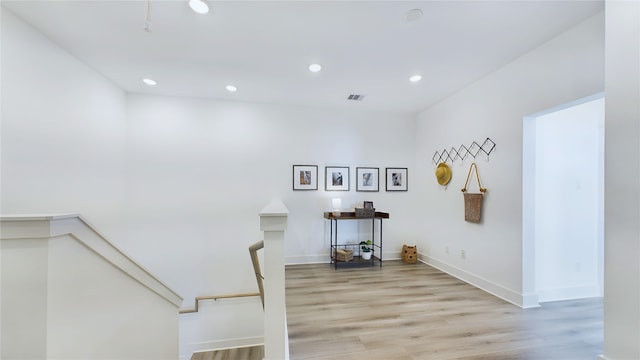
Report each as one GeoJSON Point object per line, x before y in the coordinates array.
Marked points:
{"type": "Point", "coordinates": [315, 67]}
{"type": "Point", "coordinates": [199, 6]}
{"type": "Point", "coordinates": [150, 82]}
{"type": "Point", "coordinates": [415, 78]}
{"type": "Point", "coordinates": [231, 88]}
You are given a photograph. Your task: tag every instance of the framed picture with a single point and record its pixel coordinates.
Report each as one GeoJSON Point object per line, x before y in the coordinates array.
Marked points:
{"type": "Point", "coordinates": [336, 178]}
{"type": "Point", "coordinates": [367, 179]}
{"type": "Point", "coordinates": [397, 179]}
{"type": "Point", "coordinates": [368, 204]}
{"type": "Point", "coordinates": [305, 177]}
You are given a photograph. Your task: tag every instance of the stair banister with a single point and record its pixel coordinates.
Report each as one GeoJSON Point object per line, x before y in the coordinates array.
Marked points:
{"type": "Point", "coordinates": [273, 222]}
{"type": "Point", "coordinates": [255, 261]}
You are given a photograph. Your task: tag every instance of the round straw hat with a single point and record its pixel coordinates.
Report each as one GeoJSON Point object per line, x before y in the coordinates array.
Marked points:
{"type": "Point", "coordinates": [443, 174]}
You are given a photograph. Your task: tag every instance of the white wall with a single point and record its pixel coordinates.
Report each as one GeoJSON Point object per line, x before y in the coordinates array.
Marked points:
{"type": "Point", "coordinates": [62, 133]}
{"type": "Point", "coordinates": [568, 197]}
{"type": "Point", "coordinates": [23, 331]}
{"type": "Point", "coordinates": [622, 182]}
{"type": "Point", "coordinates": [566, 68]}
{"type": "Point", "coordinates": [199, 171]}
{"type": "Point", "coordinates": [119, 318]}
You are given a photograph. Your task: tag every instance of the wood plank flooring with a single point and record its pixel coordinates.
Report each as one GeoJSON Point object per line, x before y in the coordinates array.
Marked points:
{"type": "Point", "coordinates": [243, 353]}
{"type": "Point", "coordinates": [416, 312]}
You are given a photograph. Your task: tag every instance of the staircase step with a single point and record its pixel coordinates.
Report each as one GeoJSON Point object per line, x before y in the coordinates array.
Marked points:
{"type": "Point", "coordinates": [245, 353]}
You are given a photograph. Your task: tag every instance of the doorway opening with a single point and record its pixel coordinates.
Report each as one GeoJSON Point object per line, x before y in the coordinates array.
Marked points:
{"type": "Point", "coordinates": [563, 202]}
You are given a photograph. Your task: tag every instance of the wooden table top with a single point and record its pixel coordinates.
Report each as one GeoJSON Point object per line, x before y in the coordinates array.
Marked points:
{"type": "Point", "coordinates": [351, 215]}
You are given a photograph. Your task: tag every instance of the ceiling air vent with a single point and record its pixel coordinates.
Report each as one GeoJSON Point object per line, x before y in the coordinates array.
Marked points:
{"type": "Point", "coordinates": [355, 97]}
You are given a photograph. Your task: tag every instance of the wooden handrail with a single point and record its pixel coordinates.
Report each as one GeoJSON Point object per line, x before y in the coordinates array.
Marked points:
{"type": "Point", "coordinates": [216, 297]}
{"type": "Point", "coordinates": [253, 251]}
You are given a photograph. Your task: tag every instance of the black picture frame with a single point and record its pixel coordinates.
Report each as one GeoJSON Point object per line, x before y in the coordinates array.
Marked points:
{"type": "Point", "coordinates": [305, 177]}
{"type": "Point", "coordinates": [336, 178]}
{"type": "Point", "coordinates": [397, 179]}
{"type": "Point", "coordinates": [367, 179]}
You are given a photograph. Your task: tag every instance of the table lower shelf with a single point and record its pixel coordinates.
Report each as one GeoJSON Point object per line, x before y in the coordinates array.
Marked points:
{"type": "Point", "coordinates": [357, 261]}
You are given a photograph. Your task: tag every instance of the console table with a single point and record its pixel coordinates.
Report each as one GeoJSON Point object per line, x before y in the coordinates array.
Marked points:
{"type": "Point", "coordinates": [376, 245]}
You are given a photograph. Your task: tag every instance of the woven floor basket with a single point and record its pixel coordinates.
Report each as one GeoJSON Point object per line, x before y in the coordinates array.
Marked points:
{"type": "Point", "coordinates": [409, 254]}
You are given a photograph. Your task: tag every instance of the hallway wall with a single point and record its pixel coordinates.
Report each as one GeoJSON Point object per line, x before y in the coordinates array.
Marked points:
{"type": "Point", "coordinates": [63, 132]}
{"type": "Point", "coordinates": [566, 68]}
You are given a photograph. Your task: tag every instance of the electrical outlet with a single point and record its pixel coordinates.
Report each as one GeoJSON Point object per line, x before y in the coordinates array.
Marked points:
{"type": "Point", "coordinates": [446, 249]}
{"type": "Point", "coordinates": [463, 254]}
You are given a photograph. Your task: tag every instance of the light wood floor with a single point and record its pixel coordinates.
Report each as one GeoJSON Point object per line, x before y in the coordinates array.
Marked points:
{"type": "Point", "coordinates": [415, 312]}
{"type": "Point", "coordinates": [244, 353]}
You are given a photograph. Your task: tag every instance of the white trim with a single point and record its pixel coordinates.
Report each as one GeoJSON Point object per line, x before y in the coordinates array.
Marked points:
{"type": "Point", "coordinates": [38, 217]}
{"type": "Point", "coordinates": [530, 301]}
{"type": "Point", "coordinates": [570, 293]}
{"type": "Point", "coordinates": [580, 101]}
{"type": "Point", "coordinates": [55, 226]}
{"type": "Point", "coordinates": [481, 283]}
{"type": "Point", "coordinates": [306, 259]}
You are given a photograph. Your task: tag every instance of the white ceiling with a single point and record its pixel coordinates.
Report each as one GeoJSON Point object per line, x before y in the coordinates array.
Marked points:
{"type": "Point", "coordinates": [265, 47]}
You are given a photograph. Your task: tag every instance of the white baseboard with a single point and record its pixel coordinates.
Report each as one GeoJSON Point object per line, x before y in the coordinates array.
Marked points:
{"type": "Point", "coordinates": [530, 301]}
{"type": "Point", "coordinates": [186, 354]}
{"type": "Point", "coordinates": [306, 259]}
{"type": "Point", "coordinates": [481, 283]}
{"type": "Point", "coordinates": [576, 292]}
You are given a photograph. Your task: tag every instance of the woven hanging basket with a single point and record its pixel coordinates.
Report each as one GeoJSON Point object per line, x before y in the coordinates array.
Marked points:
{"type": "Point", "coordinates": [472, 207]}
{"type": "Point", "coordinates": [473, 201]}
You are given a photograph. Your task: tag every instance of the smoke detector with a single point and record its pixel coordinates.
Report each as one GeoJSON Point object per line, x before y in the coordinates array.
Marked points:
{"type": "Point", "coordinates": [414, 15]}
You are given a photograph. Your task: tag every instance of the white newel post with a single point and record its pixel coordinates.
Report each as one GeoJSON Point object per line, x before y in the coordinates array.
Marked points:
{"type": "Point", "coordinates": [273, 221]}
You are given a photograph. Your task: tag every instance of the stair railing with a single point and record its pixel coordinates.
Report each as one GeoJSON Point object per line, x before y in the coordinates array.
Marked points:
{"type": "Point", "coordinates": [253, 251]}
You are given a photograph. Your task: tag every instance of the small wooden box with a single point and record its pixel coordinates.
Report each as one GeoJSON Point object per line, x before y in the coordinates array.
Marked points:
{"type": "Point", "coordinates": [343, 255]}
